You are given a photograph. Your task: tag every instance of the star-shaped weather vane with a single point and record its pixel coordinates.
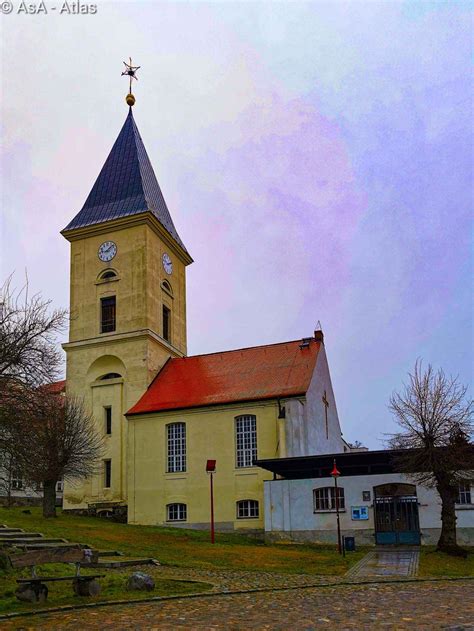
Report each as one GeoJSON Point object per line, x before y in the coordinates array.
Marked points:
{"type": "Point", "coordinates": [130, 71]}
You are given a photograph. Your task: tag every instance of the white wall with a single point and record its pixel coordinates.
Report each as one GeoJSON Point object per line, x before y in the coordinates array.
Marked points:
{"type": "Point", "coordinates": [289, 508]}
{"type": "Point", "coordinates": [305, 426]}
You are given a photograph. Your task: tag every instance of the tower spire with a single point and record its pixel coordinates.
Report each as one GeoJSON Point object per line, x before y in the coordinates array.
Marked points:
{"type": "Point", "coordinates": [130, 71]}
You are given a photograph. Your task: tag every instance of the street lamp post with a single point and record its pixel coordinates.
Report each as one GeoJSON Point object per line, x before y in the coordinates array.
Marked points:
{"type": "Point", "coordinates": [335, 474]}
{"type": "Point", "coordinates": [211, 469]}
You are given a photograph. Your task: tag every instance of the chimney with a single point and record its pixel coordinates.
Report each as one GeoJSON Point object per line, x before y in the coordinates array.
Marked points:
{"type": "Point", "coordinates": [319, 335]}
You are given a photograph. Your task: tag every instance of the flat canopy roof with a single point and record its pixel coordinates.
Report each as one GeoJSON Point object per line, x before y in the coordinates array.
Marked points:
{"type": "Point", "coordinates": [348, 463]}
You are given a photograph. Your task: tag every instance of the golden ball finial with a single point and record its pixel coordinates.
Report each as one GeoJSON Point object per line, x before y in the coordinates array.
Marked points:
{"type": "Point", "coordinates": [130, 99]}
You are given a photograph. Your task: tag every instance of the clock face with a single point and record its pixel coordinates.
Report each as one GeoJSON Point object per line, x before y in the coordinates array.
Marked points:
{"type": "Point", "coordinates": [107, 251]}
{"type": "Point", "coordinates": [167, 264]}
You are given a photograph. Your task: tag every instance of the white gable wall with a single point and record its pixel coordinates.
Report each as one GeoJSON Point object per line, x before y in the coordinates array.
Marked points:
{"type": "Point", "coordinates": [305, 423]}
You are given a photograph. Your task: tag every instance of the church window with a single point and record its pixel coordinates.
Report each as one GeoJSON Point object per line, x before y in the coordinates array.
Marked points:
{"type": "Point", "coordinates": [107, 314]}
{"type": "Point", "coordinates": [246, 440]}
{"type": "Point", "coordinates": [176, 512]}
{"type": "Point", "coordinates": [107, 474]}
{"type": "Point", "coordinates": [167, 323]}
{"type": "Point", "coordinates": [176, 447]}
{"type": "Point", "coordinates": [247, 509]}
{"type": "Point", "coordinates": [108, 419]}
{"type": "Point", "coordinates": [325, 499]}
{"type": "Point", "coordinates": [464, 493]}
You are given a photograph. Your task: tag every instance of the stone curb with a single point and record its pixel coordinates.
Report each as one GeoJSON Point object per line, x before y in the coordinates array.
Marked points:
{"type": "Point", "coordinates": [136, 601]}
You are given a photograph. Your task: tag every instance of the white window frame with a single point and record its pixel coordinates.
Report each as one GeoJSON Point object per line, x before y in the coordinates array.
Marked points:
{"type": "Point", "coordinates": [176, 447]}
{"type": "Point", "coordinates": [176, 512]}
{"type": "Point", "coordinates": [324, 499]}
{"type": "Point", "coordinates": [17, 481]}
{"type": "Point", "coordinates": [248, 509]}
{"type": "Point", "coordinates": [245, 440]}
{"type": "Point", "coordinates": [465, 494]}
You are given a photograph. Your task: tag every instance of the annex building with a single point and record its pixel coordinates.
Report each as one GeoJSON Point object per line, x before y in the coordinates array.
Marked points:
{"type": "Point", "coordinates": [162, 413]}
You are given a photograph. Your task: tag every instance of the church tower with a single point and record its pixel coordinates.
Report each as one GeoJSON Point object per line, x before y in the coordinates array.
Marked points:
{"type": "Point", "coordinates": [127, 303]}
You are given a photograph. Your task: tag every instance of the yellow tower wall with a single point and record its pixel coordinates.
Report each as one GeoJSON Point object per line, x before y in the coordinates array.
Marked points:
{"type": "Point", "coordinates": [136, 350]}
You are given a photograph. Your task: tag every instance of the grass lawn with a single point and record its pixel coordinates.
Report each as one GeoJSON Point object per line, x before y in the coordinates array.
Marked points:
{"type": "Point", "coordinates": [433, 563]}
{"type": "Point", "coordinates": [171, 546]}
{"type": "Point", "coordinates": [185, 548]}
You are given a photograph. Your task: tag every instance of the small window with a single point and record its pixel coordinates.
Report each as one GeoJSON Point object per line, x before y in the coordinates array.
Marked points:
{"type": "Point", "coordinates": [246, 440]}
{"type": "Point", "coordinates": [107, 314]}
{"type": "Point", "coordinates": [325, 499]}
{"type": "Point", "coordinates": [247, 509]}
{"type": "Point", "coordinates": [176, 439]}
{"type": "Point", "coordinates": [107, 473]}
{"type": "Point", "coordinates": [108, 275]}
{"type": "Point", "coordinates": [464, 493]}
{"type": "Point", "coordinates": [176, 512]}
{"type": "Point", "coordinates": [59, 486]}
{"type": "Point", "coordinates": [108, 420]}
{"type": "Point", "coordinates": [167, 324]}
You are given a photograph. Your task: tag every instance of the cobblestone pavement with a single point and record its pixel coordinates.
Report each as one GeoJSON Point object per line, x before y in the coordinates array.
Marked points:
{"type": "Point", "coordinates": [386, 563]}
{"type": "Point", "coordinates": [424, 605]}
{"type": "Point", "coordinates": [230, 580]}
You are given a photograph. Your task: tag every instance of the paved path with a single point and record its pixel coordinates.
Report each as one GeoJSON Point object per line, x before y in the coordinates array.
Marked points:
{"type": "Point", "coordinates": [397, 606]}
{"type": "Point", "coordinates": [386, 563]}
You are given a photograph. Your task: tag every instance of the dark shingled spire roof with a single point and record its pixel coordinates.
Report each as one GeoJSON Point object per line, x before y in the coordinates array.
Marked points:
{"type": "Point", "coordinates": [126, 185]}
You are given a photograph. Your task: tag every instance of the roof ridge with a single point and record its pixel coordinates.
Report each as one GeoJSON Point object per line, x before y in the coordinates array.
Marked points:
{"type": "Point", "coordinates": [245, 348]}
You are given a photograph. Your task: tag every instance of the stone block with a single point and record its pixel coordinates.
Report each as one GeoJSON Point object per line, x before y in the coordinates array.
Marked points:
{"type": "Point", "coordinates": [140, 581]}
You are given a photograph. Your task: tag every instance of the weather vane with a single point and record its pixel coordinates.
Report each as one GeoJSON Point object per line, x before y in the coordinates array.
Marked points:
{"type": "Point", "coordinates": [130, 71]}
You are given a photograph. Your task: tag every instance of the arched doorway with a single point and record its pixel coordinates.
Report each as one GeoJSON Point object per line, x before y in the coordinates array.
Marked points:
{"type": "Point", "coordinates": [396, 514]}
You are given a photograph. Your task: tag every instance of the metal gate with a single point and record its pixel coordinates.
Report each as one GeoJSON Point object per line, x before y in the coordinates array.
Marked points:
{"type": "Point", "coordinates": [396, 520]}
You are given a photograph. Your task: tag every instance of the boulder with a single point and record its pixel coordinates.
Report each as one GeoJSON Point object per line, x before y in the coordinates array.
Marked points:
{"type": "Point", "coordinates": [140, 581]}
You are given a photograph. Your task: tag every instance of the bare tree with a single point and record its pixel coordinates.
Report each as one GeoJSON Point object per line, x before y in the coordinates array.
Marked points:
{"type": "Point", "coordinates": [58, 442]}
{"type": "Point", "coordinates": [435, 418]}
{"type": "Point", "coordinates": [29, 358]}
{"type": "Point", "coordinates": [28, 329]}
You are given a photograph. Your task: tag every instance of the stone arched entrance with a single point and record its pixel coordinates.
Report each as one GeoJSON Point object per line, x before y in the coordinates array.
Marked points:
{"type": "Point", "coordinates": [396, 514]}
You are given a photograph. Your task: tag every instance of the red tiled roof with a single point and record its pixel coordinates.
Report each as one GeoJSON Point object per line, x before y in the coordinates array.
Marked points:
{"type": "Point", "coordinates": [248, 374]}
{"type": "Point", "coordinates": [57, 387]}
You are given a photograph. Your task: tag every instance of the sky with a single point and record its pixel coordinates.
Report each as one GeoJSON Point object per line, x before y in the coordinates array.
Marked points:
{"type": "Point", "coordinates": [316, 159]}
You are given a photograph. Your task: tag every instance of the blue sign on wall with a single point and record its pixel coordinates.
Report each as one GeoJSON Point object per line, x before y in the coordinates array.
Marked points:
{"type": "Point", "coordinates": [359, 512]}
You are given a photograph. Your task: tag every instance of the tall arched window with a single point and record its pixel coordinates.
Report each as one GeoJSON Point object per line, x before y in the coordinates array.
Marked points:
{"type": "Point", "coordinates": [176, 441]}
{"type": "Point", "coordinates": [246, 440]}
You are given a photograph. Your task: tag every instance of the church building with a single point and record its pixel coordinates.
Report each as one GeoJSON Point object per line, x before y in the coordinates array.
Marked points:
{"type": "Point", "coordinates": [163, 414]}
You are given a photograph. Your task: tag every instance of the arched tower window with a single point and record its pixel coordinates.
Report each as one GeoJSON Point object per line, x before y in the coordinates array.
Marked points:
{"type": "Point", "coordinates": [110, 375]}
{"type": "Point", "coordinates": [107, 275]}
{"type": "Point", "coordinates": [166, 285]}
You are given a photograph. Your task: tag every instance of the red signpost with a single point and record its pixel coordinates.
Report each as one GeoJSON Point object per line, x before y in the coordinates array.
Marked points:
{"type": "Point", "coordinates": [211, 469]}
{"type": "Point", "coordinates": [335, 474]}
